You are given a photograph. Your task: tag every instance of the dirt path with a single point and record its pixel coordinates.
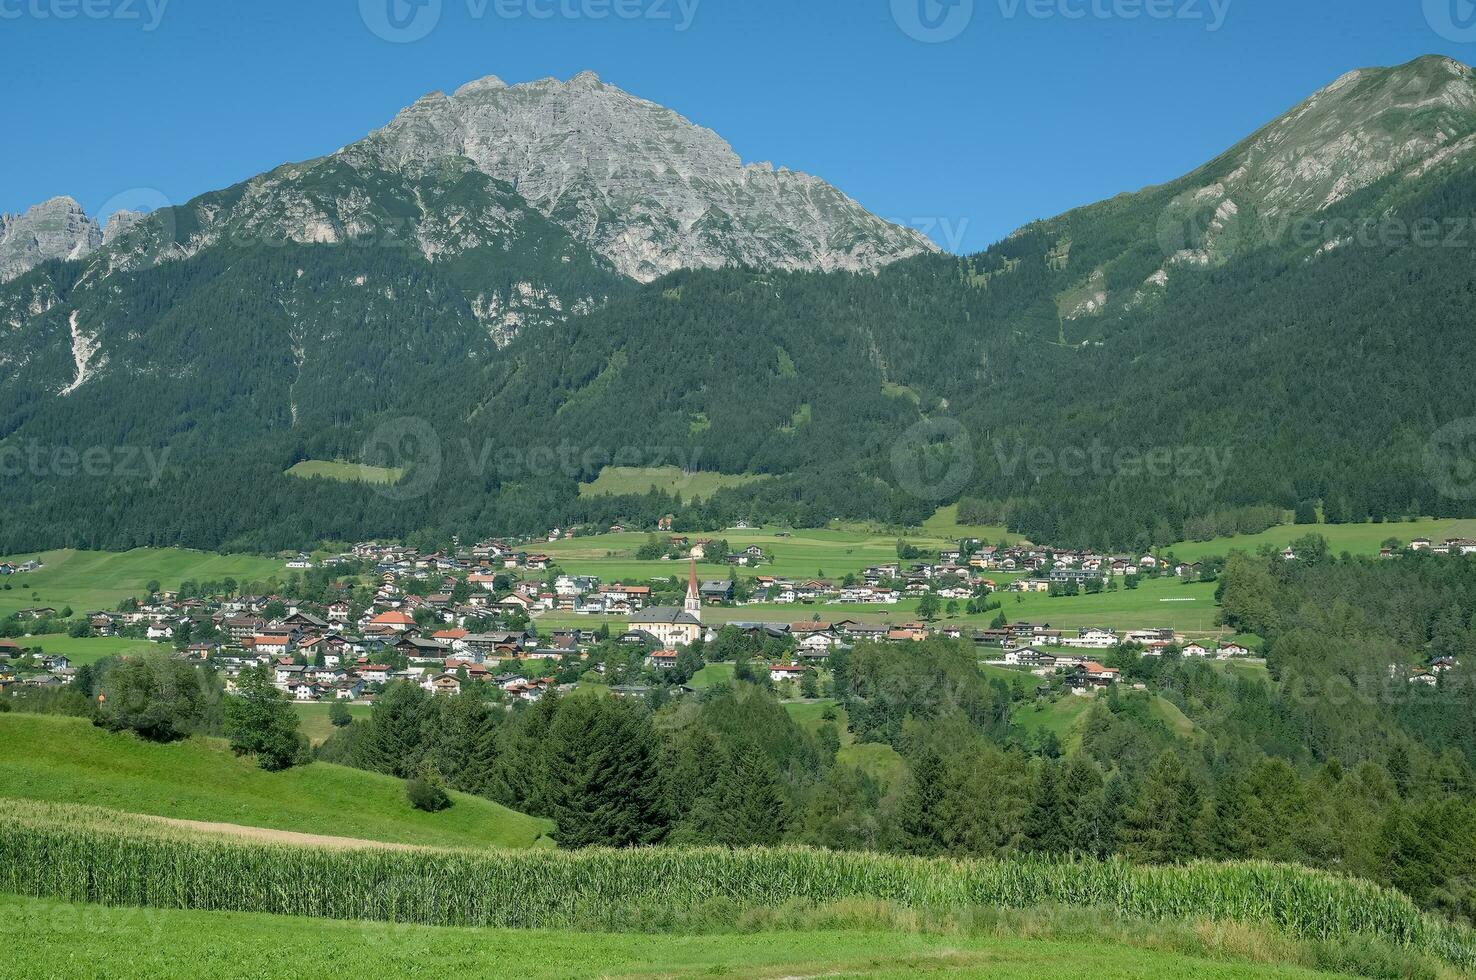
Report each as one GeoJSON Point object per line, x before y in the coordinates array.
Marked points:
{"type": "Point", "coordinates": [270, 836]}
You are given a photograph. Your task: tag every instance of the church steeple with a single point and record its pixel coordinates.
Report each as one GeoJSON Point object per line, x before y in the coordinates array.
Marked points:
{"type": "Point", "coordinates": [693, 604]}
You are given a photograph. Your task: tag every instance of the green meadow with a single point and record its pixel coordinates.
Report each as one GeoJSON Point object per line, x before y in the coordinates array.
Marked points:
{"type": "Point", "coordinates": [92, 580]}
{"type": "Point", "coordinates": [86, 650]}
{"type": "Point", "coordinates": [313, 719]}
{"type": "Point", "coordinates": [67, 760]}
{"type": "Point", "coordinates": [322, 469]}
{"type": "Point", "coordinates": [616, 481]}
{"type": "Point", "coordinates": [54, 939]}
{"type": "Point", "coordinates": [1357, 539]}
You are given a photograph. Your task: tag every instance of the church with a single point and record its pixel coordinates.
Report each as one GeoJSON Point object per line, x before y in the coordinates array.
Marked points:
{"type": "Point", "coordinates": [671, 626]}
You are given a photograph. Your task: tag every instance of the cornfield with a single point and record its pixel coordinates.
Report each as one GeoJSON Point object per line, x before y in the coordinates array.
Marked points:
{"type": "Point", "coordinates": [87, 855]}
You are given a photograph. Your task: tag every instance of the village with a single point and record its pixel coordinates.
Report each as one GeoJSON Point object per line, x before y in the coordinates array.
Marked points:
{"type": "Point", "coordinates": [382, 612]}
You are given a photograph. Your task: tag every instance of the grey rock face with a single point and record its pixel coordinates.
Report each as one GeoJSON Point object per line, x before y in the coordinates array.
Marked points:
{"type": "Point", "coordinates": [640, 184]}
{"type": "Point", "coordinates": [54, 229]}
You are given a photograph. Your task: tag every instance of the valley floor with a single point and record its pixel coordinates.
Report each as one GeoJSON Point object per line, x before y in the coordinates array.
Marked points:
{"type": "Point", "coordinates": [54, 939]}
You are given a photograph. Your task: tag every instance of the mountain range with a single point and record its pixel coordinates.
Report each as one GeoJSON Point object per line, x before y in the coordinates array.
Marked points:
{"type": "Point", "coordinates": [561, 265]}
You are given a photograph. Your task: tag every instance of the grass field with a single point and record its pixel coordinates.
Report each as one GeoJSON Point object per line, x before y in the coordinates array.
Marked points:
{"type": "Point", "coordinates": [1358, 539]}
{"type": "Point", "coordinates": [616, 481]}
{"type": "Point", "coordinates": [67, 760]}
{"type": "Point", "coordinates": [881, 762]}
{"type": "Point", "coordinates": [314, 719]}
{"type": "Point", "coordinates": [804, 553]}
{"type": "Point", "coordinates": [53, 939]}
{"type": "Point", "coordinates": [322, 469]}
{"type": "Point", "coordinates": [712, 675]}
{"type": "Point", "coordinates": [81, 854]}
{"type": "Point", "coordinates": [91, 580]}
{"type": "Point", "coordinates": [1060, 716]}
{"type": "Point", "coordinates": [1157, 602]}
{"type": "Point", "coordinates": [87, 650]}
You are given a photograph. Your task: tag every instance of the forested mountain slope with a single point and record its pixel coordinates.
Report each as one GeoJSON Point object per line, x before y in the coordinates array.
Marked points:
{"type": "Point", "coordinates": [1287, 325]}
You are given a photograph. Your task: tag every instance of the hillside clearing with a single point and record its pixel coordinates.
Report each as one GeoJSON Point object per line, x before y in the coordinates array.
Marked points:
{"type": "Point", "coordinates": [67, 760]}
{"type": "Point", "coordinates": [615, 481]}
{"type": "Point", "coordinates": [323, 469]}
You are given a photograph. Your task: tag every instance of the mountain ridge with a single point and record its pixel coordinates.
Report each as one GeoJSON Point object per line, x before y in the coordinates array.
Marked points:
{"type": "Point", "coordinates": [1155, 319]}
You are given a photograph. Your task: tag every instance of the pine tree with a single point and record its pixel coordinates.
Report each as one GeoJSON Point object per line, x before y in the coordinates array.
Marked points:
{"type": "Point", "coordinates": [1082, 797]}
{"type": "Point", "coordinates": [1158, 827]}
{"type": "Point", "coordinates": [752, 810]}
{"type": "Point", "coordinates": [1045, 830]}
{"type": "Point", "coordinates": [919, 815]}
{"type": "Point", "coordinates": [396, 741]}
{"type": "Point", "coordinates": [604, 782]}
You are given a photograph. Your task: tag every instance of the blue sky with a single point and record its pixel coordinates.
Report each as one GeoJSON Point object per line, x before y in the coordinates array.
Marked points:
{"type": "Point", "coordinates": [1005, 111]}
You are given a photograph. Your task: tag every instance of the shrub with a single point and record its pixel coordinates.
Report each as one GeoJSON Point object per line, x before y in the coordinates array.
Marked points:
{"type": "Point", "coordinates": [427, 791]}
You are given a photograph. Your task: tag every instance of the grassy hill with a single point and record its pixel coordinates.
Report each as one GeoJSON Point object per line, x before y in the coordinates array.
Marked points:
{"type": "Point", "coordinates": [67, 760]}
{"type": "Point", "coordinates": [75, 940]}
{"type": "Point", "coordinates": [1358, 539]}
{"type": "Point", "coordinates": [87, 649]}
{"type": "Point", "coordinates": [615, 481]}
{"type": "Point", "coordinates": [87, 580]}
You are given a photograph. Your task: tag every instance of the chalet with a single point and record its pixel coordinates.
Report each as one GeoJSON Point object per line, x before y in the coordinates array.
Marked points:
{"type": "Point", "coordinates": [1093, 674]}
{"type": "Point", "coordinates": [786, 672]}
{"type": "Point", "coordinates": [443, 685]}
{"type": "Point", "coordinates": [518, 602]}
{"type": "Point", "coordinates": [1029, 657]}
{"type": "Point", "coordinates": [716, 592]}
{"type": "Point", "coordinates": [663, 659]}
{"type": "Point", "coordinates": [374, 673]}
{"type": "Point", "coordinates": [815, 636]}
{"type": "Point", "coordinates": [288, 673]}
{"type": "Point", "coordinates": [159, 631]}
{"type": "Point", "coordinates": [1228, 650]}
{"type": "Point", "coordinates": [1195, 650]}
{"type": "Point", "coordinates": [393, 620]}
{"type": "Point", "coordinates": [272, 644]}
{"type": "Point", "coordinates": [1092, 638]}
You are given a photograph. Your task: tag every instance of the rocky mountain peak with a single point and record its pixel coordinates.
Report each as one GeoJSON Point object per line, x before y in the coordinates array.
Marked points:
{"type": "Point", "coordinates": [54, 229]}
{"type": "Point", "coordinates": [642, 185]}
